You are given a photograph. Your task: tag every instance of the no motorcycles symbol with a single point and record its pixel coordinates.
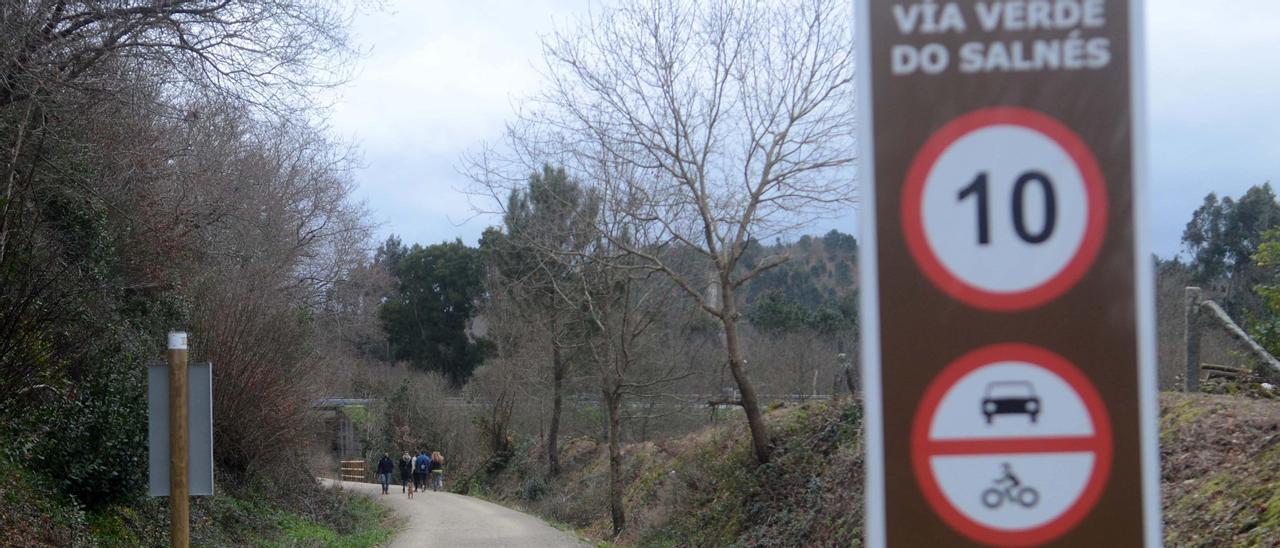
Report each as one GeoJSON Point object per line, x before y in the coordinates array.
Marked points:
{"type": "Point", "coordinates": [1011, 445]}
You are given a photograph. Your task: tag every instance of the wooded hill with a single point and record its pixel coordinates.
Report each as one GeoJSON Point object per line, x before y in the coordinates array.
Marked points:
{"type": "Point", "coordinates": [815, 289]}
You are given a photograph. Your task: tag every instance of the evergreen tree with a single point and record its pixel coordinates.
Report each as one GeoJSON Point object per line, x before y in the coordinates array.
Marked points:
{"type": "Point", "coordinates": [427, 318]}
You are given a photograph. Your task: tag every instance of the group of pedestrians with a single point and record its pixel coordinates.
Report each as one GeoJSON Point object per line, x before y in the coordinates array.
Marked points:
{"type": "Point", "coordinates": [423, 469]}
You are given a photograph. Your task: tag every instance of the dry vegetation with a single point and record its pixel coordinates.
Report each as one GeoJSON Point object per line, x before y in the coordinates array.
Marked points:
{"type": "Point", "coordinates": [704, 489]}
{"type": "Point", "coordinates": [1221, 470]}
{"type": "Point", "coordinates": [1220, 459]}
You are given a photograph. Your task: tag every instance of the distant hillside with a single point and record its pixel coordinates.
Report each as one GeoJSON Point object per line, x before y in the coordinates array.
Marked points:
{"type": "Point", "coordinates": [815, 291]}
{"type": "Point", "coordinates": [822, 269]}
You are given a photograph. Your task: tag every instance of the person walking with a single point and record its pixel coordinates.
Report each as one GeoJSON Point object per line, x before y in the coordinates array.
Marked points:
{"type": "Point", "coordinates": [406, 471]}
{"type": "Point", "coordinates": [385, 467]}
{"type": "Point", "coordinates": [413, 468]}
{"type": "Point", "coordinates": [421, 467]}
{"type": "Point", "coordinates": [437, 471]}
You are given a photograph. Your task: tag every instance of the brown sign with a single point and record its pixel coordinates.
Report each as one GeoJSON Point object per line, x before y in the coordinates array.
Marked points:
{"type": "Point", "coordinates": [1007, 301]}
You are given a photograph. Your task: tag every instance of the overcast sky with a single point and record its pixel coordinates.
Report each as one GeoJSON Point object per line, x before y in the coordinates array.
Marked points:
{"type": "Point", "coordinates": [441, 77]}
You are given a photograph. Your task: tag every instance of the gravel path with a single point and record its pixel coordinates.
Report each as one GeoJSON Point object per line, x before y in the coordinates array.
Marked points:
{"type": "Point", "coordinates": [446, 519]}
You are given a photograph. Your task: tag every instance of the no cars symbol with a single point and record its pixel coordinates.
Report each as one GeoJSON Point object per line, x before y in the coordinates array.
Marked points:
{"type": "Point", "coordinates": [1011, 445]}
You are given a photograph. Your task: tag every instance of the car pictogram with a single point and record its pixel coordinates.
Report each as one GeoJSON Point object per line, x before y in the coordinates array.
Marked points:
{"type": "Point", "coordinates": [1010, 398]}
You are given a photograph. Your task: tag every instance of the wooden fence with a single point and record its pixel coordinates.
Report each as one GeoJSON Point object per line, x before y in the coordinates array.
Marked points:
{"type": "Point", "coordinates": [1200, 313]}
{"type": "Point", "coordinates": [353, 470]}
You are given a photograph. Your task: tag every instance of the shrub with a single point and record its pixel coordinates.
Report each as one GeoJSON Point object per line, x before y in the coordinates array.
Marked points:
{"type": "Point", "coordinates": [92, 445]}
{"type": "Point", "coordinates": [534, 489]}
{"type": "Point", "coordinates": [258, 346]}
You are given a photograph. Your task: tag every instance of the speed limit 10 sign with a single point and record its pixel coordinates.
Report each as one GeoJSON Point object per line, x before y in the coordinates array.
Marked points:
{"type": "Point", "coordinates": [1001, 167]}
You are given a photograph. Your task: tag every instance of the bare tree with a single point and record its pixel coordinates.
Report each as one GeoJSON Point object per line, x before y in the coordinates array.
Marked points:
{"type": "Point", "coordinates": [624, 306]}
{"type": "Point", "coordinates": [735, 119]}
{"type": "Point", "coordinates": [162, 58]}
{"type": "Point", "coordinates": [267, 52]}
{"type": "Point", "coordinates": [161, 166]}
{"type": "Point", "coordinates": [267, 210]}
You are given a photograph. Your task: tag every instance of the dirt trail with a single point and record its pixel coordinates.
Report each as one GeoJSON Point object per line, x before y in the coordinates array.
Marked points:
{"type": "Point", "coordinates": [446, 519]}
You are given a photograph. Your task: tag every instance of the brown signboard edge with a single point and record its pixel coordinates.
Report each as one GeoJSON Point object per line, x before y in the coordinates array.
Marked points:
{"type": "Point", "coordinates": [869, 286]}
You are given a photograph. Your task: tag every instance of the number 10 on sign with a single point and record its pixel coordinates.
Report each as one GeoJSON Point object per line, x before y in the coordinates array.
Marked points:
{"type": "Point", "coordinates": [1004, 208]}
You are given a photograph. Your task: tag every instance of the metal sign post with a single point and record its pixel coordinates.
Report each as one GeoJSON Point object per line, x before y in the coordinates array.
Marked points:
{"type": "Point", "coordinates": [1001, 162]}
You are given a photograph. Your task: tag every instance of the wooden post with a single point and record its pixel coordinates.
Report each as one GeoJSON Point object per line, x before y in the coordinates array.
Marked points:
{"type": "Point", "coordinates": [1192, 339]}
{"type": "Point", "coordinates": [1268, 362]}
{"type": "Point", "coordinates": [179, 514]}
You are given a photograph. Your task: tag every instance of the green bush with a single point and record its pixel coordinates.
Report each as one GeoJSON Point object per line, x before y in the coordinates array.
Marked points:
{"type": "Point", "coordinates": [534, 489]}
{"type": "Point", "coordinates": [93, 445]}
{"type": "Point", "coordinates": [80, 422]}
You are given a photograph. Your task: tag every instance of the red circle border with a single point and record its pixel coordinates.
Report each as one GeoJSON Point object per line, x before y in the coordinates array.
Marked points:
{"type": "Point", "coordinates": [913, 195]}
{"type": "Point", "coordinates": [1101, 433]}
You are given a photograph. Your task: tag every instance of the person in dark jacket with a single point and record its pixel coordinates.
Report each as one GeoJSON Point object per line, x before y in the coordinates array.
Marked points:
{"type": "Point", "coordinates": [421, 467]}
{"type": "Point", "coordinates": [385, 467]}
{"type": "Point", "coordinates": [406, 471]}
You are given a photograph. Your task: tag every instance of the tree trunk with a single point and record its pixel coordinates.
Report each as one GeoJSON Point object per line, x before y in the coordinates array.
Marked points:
{"type": "Point", "coordinates": [851, 381]}
{"type": "Point", "coordinates": [11, 176]}
{"type": "Point", "coordinates": [750, 404]}
{"type": "Point", "coordinates": [553, 432]}
{"type": "Point", "coordinates": [616, 511]}
{"type": "Point", "coordinates": [644, 426]}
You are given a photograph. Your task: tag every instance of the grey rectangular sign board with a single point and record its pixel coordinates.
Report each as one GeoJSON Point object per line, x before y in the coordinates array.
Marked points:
{"type": "Point", "coordinates": [199, 429]}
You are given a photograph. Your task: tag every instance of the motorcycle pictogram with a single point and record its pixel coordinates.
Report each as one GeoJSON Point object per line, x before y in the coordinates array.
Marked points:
{"type": "Point", "coordinates": [1009, 487]}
